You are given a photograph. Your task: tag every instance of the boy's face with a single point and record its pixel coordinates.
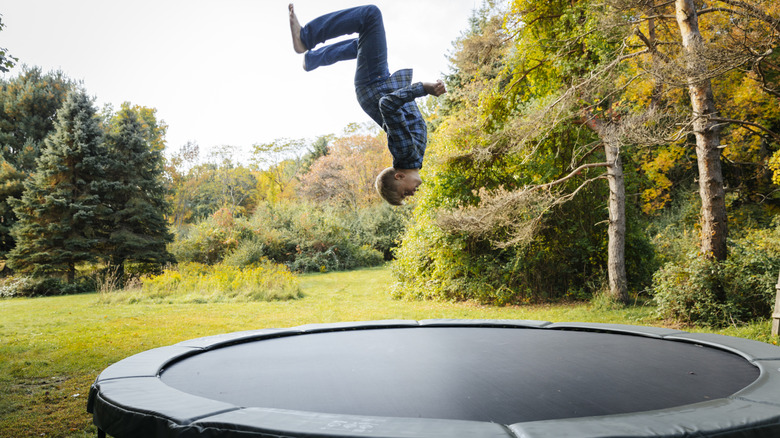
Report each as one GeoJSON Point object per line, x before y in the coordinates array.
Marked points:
{"type": "Point", "coordinates": [407, 184]}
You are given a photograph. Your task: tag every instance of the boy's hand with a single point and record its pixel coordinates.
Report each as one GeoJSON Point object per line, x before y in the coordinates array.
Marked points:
{"type": "Point", "coordinates": [434, 88]}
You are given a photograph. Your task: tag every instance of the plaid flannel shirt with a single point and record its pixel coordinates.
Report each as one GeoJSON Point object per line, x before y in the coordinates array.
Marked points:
{"type": "Point", "coordinates": [391, 104]}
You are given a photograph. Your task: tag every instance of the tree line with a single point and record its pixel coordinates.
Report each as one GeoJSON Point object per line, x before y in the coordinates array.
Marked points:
{"type": "Point", "coordinates": [330, 169]}
{"type": "Point", "coordinates": [84, 190]}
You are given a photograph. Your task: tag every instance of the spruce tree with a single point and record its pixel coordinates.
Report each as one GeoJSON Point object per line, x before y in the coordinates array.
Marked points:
{"type": "Point", "coordinates": [57, 214]}
{"type": "Point", "coordinates": [136, 227]}
{"type": "Point", "coordinates": [28, 106]}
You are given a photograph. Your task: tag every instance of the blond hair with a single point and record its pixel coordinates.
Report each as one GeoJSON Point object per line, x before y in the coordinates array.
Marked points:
{"type": "Point", "coordinates": [387, 187]}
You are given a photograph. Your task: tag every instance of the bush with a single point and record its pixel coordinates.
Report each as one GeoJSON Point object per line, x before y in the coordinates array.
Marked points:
{"type": "Point", "coordinates": [739, 289]}
{"type": "Point", "coordinates": [306, 238]}
{"type": "Point", "coordinates": [687, 292]}
{"type": "Point", "coordinates": [333, 259]}
{"type": "Point", "coordinates": [14, 286]}
{"type": "Point", "coordinates": [44, 287]}
{"type": "Point", "coordinates": [249, 252]}
{"type": "Point", "coordinates": [209, 241]}
{"type": "Point", "coordinates": [750, 274]}
{"type": "Point", "coordinates": [379, 227]}
{"type": "Point", "coordinates": [675, 233]}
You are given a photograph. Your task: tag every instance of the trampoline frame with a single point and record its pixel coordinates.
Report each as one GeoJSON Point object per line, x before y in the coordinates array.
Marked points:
{"type": "Point", "coordinates": [129, 399]}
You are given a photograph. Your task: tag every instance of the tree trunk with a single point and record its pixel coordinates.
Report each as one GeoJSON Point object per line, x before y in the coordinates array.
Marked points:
{"type": "Point", "coordinates": [616, 233]}
{"type": "Point", "coordinates": [71, 274]}
{"type": "Point", "coordinates": [616, 246]}
{"type": "Point", "coordinates": [118, 276]}
{"type": "Point", "coordinates": [713, 199]}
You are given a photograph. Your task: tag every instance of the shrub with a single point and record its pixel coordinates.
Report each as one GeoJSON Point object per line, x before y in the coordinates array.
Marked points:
{"type": "Point", "coordinates": [44, 287]}
{"type": "Point", "coordinates": [14, 286]}
{"type": "Point", "coordinates": [675, 233]}
{"type": "Point", "coordinates": [750, 274]}
{"type": "Point", "coordinates": [249, 252]}
{"type": "Point", "coordinates": [207, 242]}
{"type": "Point", "coordinates": [379, 227]}
{"type": "Point", "coordinates": [306, 238]}
{"type": "Point", "coordinates": [336, 259]}
{"type": "Point", "coordinates": [739, 289]}
{"type": "Point", "coordinates": [687, 292]}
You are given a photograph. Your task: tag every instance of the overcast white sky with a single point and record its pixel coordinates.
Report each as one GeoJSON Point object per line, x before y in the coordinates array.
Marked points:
{"type": "Point", "coordinates": [220, 72]}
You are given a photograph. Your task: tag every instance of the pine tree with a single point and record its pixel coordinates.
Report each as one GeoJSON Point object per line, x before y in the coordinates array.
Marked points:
{"type": "Point", "coordinates": [28, 106]}
{"type": "Point", "coordinates": [136, 227]}
{"type": "Point", "coordinates": [57, 214]}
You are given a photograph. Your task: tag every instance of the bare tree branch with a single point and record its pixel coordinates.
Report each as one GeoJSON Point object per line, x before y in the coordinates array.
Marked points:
{"type": "Point", "coordinates": [651, 46]}
{"type": "Point", "coordinates": [597, 145]}
{"type": "Point", "coordinates": [754, 12]}
{"type": "Point", "coordinates": [510, 218]}
{"type": "Point", "coordinates": [571, 175]}
{"type": "Point", "coordinates": [701, 12]}
{"type": "Point", "coordinates": [746, 123]}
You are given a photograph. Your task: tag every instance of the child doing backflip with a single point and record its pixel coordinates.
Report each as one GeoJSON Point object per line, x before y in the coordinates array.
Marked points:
{"type": "Point", "coordinates": [387, 99]}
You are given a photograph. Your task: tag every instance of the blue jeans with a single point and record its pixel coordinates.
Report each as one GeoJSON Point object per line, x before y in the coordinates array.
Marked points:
{"type": "Point", "coordinates": [369, 48]}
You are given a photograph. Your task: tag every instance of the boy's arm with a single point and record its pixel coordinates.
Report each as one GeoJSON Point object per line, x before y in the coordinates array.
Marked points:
{"type": "Point", "coordinates": [405, 130]}
{"type": "Point", "coordinates": [390, 103]}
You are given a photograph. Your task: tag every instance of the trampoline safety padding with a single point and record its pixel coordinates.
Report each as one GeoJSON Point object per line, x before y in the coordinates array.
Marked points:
{"type": "Point", "coordinates": [445, 378]}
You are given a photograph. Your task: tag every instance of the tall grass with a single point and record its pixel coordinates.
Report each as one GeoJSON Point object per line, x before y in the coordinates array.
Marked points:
{"type": "Point", "coordinates": [199, 283]}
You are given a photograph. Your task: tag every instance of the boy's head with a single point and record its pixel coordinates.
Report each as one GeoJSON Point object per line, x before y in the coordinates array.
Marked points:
{"type": "Point", "coordinates": [394, 184]}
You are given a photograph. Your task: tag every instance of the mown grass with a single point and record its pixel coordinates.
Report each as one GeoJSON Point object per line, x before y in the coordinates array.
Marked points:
{"type": "Point", "coordinates": [52, 349]}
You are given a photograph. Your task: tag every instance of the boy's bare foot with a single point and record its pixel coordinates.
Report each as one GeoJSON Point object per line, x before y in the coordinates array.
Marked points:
{"type": "Point", "coordinates": [295, 28]}
{"type": "Point", "coordinates": [434, 88]}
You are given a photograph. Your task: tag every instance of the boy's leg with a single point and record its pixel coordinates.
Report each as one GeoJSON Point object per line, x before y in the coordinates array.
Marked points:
{"type": "Point", "coordinates": [331, 54]}
{"type": "Point", "coordinates": [371, 45]}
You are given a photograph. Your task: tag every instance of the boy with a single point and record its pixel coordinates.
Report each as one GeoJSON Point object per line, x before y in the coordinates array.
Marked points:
{"type": "Point", "coordinates": [387, 99]}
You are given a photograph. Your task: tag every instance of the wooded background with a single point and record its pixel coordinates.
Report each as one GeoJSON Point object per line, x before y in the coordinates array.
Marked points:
{"type": "Point", "coordinates": [622, 149]}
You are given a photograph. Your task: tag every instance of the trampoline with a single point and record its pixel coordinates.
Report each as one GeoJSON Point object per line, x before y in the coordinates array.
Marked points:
{"type": "Point", "coordinates": [445, 378]}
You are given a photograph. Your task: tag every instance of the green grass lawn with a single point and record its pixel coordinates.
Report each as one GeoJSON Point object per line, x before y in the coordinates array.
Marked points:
{"type": "Point", "coordinates": [52, 349]}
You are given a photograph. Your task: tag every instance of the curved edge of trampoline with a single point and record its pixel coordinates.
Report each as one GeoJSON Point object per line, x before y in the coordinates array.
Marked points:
{"type": "Point", "coordinates": [129, 399]}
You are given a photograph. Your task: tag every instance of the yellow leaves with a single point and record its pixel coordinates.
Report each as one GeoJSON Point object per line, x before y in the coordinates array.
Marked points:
{"type": "Point", "coordinates": [655, 199]}
{"type": "Point", "coordinates": [746, 101]}
{"type": "Point", "coordinates": [774, 164]}
{"type": "Point", "coordinates": [656, 170]}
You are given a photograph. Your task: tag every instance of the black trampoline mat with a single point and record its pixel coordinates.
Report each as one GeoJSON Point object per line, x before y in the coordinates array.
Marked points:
{"type": "Point", "coordinates": [502, 375]}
